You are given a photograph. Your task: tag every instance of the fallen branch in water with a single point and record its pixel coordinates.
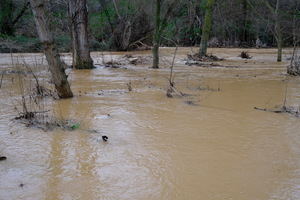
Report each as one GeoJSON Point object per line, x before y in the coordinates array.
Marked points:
{"type": "Point", "coordinates": [283, 109]}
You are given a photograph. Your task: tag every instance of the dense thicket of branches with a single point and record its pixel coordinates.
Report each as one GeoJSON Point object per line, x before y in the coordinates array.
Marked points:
{"type": "Point", "coordinates": [128, 24]}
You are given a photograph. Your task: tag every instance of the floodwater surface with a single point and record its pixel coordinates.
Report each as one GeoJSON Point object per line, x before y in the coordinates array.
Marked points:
{"type": "Point", "coordinates": [210, 144]}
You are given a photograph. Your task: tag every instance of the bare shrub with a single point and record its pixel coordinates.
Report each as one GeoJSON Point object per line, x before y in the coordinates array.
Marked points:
{"type": "Point", "coordinates": [32, 107]}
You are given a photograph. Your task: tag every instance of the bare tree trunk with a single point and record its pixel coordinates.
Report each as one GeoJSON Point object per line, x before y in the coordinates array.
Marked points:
{"type": "Point", "coordinates": [294, 67]}
{"type": "Point", "coordinates": [244, 32]}
{"type": "Point", "coordinates": [79, 22]}
{"type": "Point", "coordinates": [156, 37]}
{"type": "Point", "coordinates": [278, 32]}
{"type": "Point", "coordinates": [117, 10]}
{"type": "Point", "coordinates": [206, 27]}
{"type": "Point", "coordinates": [56, 66]}
{"type": "Point", "coordinates": [277, 28]}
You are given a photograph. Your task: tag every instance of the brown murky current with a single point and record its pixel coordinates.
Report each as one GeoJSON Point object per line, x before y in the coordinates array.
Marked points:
{"type": "Point", "coordinates": [208, 145]}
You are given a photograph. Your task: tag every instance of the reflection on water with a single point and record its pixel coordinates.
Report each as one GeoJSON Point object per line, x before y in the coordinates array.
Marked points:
{"type": "Point", "coordinates": [159, 148]}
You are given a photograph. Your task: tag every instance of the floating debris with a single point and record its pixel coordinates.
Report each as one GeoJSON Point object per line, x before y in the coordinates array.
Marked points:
{"type": "Point", "coordinates": [2, 158]}
{"type": "Point", "coordinates": [104, 138]}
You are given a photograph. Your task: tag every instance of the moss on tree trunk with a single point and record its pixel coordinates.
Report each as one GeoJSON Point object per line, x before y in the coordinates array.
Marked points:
{"type": "Point", "coordinates": [206, 28]}
{"type": "Point", "coordinates": [156, 37]}
{"type": "Point", "coordinates": [79, 22]}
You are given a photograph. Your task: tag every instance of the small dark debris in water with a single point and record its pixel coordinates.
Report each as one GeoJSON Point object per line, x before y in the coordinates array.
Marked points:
{"type": "Point", "coordinates": [113, 64]}
{"type": "Point", "coordinates": [191, 103]}
{"type": "Point", "coordinates": [104, 138]}
{"type": "Point", "coordinates": [21, 185]}
{"type": "Point", "coordinates": [129, 86]}
{"type": "Point", "coordinates": [207, 88]}
{"type": "Point", "coordinates": [128, 56]}
{"type": "Point", "coordinates": [262, 109]}
{"type": "Point", "coordinates": [245, 55]}
{"type": "Point", "coordinates": [169, 93]}
{"type": "Point", "coordinates": [92, 131]}
{"type": "Point", "coordinates": [206, 58]}
{"type": "Point", "coordinates": [2, 158]}
{"type": "Point", "coordinates": [108, 115]}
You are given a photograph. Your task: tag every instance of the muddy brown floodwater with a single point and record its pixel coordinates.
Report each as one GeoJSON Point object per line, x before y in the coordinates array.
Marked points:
{"type": "Point", "coordinates": [208, 145]}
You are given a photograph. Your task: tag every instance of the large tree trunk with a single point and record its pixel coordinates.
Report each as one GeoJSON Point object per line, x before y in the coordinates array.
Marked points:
{"type": "Point", "coordinates": [206, 27]}
{"type": "Point", "coordinates": [79, 22]}
{"type": "Point", "coordinates": [277, 27]}
{"type": "Point", "coordinates": [156, 37]}
{"type": "Point", "coordinates": [56, 66]}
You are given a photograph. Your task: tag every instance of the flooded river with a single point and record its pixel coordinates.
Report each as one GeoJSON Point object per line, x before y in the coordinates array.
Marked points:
{"type": "Point", "coordinates": [208, 145]}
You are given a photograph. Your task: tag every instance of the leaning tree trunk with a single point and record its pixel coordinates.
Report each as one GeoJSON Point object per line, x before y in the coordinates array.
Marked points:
{"type": "Point", "coordinates": [156, 37]}
{"type": "Point", "coordinates": [79, 22]}
{"type": "Point", "coordinates": [56, 66]}
{"type": "Point", "coordinates": [206, 27]}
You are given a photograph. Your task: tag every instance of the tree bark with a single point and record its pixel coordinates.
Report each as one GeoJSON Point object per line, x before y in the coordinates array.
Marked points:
{"type": "Point", "coordinates": [156, 37]}
{"type": "Point", "coordinates": [206, 27]}
{"type": "Point", "coordinates": [294, 68]}
{"type": "Point", "coordinates": [56, 66]}
{"type": "Point", "coordinates": [79, 22]}
{"type": "Point", "coordinates": [244, 30]}
{"type": "Point", "coordinates": [278, 32]}
{"type": "Point", "coordinates": [277, 27]}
